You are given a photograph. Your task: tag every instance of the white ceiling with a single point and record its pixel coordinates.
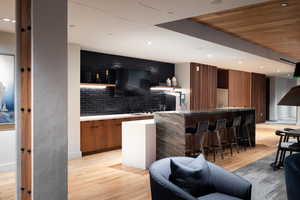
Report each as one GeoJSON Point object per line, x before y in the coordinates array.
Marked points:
{"type": "Point", "coordinates": [125, 27]}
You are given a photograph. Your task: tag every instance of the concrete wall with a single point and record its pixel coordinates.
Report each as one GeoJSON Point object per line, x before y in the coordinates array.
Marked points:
{"type": "Point", "coordinates": [7, 138]}
{"type": "Point", "coordinates": [50, 99]}
{"type": "Point", "coordinates": [182, 74]}
{"type": "Point", "coordinates": [74, 101]}
{"type": "Point", "coordinates": [278, 88]}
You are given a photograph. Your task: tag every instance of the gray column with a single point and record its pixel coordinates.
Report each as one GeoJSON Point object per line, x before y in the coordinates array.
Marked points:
{"type": "Point", "coordinates": [298, 108]}
{"type": "Point", "coordinates": [49, 99]}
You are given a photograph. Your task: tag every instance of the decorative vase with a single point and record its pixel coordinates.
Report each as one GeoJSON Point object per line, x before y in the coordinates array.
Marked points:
{"type": "Point", "coordinates": [169, 82]}
{"type": "Point", "coordinates": [174, 81]}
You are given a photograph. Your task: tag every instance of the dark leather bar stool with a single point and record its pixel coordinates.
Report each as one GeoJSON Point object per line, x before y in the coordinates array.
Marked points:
{"type": "Point", "coordinates": [216, 132]}
{"type": "Point", "coordinates": [189, 139]}
{"type": "Point", "coordinates": [234, 134]}
{"type": "Point", "coordinates": [201, 136]}
{"type": "Point", "coordinates": [245, 139]}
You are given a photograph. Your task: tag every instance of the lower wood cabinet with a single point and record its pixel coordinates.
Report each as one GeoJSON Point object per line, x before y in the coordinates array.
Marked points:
{"type": "Point", "coordinates": [103, 135]}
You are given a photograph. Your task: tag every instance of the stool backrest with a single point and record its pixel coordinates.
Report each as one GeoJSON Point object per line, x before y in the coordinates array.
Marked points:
{"type": "Point", "coordinates": [221, 124]}
{"type": "Point", "coordinates": [249, 119]}
{"type": "Point", "coordinates": [202, 126]}
{"type": "Point", "coordinates": [237, 121]}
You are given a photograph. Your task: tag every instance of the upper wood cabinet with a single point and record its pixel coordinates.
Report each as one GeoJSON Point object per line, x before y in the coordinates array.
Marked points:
{"type": "Point", "coordinates": [239, 85]}
{"type": "Point", "coordinates": [258, 96]}
{"type": "Point", "coordinates": [203, 86]}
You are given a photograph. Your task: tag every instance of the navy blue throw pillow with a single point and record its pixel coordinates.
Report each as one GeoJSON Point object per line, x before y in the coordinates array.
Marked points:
{"type": "Point", "coordinates": [194, 178]}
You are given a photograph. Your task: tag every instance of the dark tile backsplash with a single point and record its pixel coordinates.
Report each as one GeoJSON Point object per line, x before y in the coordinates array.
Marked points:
{"type": "Point", "coordinates": [104, 102]}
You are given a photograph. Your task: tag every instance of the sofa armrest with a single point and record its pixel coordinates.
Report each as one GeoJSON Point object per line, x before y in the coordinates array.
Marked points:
{"type": "Point", "coordinates": [229, 183]}
{"type": "Point", "coordinates": [161, 189]}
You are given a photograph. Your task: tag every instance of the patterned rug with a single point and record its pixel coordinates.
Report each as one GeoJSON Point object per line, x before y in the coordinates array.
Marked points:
{"type": "Point", "coordinates": [266, 183]}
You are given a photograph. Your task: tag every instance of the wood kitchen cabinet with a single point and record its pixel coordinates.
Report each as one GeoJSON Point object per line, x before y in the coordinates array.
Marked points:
{"type": "Point", "coordinates": [239, 86]}
{"type": "Point", "coordinates": [203, 86]}
{"type": "Point", "coordinates": [103, 135]}
{"type": "Point", "coordinates": [258, 96]}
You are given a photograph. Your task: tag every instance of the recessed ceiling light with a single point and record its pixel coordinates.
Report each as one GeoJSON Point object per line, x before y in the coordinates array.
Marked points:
{"type": "Point", "coordinates": [13, 21]}
{"type": "Point", "coordinates": [240, 62]}
{"type": "Point", "coordinates": [149, 43]}
{"type": "Point", "coordinates": [284, 4]}
{"type": "Point", "coordinates": [216, 1]}
{"type": "Point", "coordinates": [6, 19]}
{"type": "Point", "coordinates": [209, 55]}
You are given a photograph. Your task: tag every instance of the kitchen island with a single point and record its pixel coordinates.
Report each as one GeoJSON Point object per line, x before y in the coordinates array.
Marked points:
{"type": "Point", "coordinates": [171, 127]}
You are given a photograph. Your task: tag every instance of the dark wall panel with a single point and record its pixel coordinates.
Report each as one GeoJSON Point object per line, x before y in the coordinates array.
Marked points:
{"type": "Point", "coordinates": [92, 62]}
{"type": "Point", "coordinates": [104, 101]}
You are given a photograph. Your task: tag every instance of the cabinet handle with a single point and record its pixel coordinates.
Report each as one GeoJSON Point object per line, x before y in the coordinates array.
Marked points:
{"type": "Point", "coordinates": [94, 126]}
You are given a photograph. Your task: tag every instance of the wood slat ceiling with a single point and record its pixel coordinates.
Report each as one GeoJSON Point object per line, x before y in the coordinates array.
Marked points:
{"type": "Point", "coordinates": [267, 24]}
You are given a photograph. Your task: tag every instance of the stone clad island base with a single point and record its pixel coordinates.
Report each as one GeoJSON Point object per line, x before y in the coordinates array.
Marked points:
{"type": "Point", "coordinates": [171, 127]}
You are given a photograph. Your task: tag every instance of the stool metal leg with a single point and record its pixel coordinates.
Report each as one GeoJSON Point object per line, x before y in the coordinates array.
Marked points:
{"type": "Point", "coordinates": [220, 143]}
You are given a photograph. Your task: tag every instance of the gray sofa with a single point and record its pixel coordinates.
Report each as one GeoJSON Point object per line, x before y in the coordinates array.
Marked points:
{"type": "Point", "coordinates": [227, 186]}
{"type": "Point", "coordinates": [292, 176]}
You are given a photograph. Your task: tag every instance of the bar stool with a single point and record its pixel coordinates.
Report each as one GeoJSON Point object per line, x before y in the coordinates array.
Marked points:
{"type": "Point", "coordinates": [201, 136]}
{"type": "Point", "coordinates": [234, 136]}
{"type": "Point", "coordinates": [189, 140]}
{"type": "Point", "coordinates": [245, 139]}
{"type": "Point", "coordinates": [219, 128]}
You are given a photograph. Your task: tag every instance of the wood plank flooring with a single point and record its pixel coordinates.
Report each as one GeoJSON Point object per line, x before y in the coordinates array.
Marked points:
{"type": "Point", "coordinates": [102, 176]}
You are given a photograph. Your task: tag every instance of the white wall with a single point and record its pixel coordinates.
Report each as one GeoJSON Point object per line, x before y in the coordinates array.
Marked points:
{"type": "Point", "coordinates": [7, 151]}
{"type": "Point", "coordinates": [278, 88]}
{"type": "Point", "coordinates": [182, 74]}
{"type": "Point", "coordinates": [298, 108]}
{"type": "Point", "coordinates": [74, 101]}
{"type": "Point", "coordinates": [7, 138]}
{"type": "Point", "coordinates": [7, 43]}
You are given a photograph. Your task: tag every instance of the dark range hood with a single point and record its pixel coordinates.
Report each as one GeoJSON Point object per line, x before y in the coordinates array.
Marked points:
{"type": "Point", "coordinates": [297, 69]}
{"type": "Point", "coordinates": [292, 98]}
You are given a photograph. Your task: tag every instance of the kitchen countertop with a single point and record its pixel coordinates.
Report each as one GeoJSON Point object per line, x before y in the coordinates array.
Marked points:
{"type": "Point", "coordinates": [209, 111]}
{"type": "Point", "coordinates": [114, 116]}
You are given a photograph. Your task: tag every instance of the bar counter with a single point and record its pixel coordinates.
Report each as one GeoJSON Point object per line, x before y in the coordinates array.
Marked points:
{"type": "Point", "coordinates": [171, 127]}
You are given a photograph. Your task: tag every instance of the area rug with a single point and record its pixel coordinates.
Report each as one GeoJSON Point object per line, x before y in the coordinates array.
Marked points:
{"type": "Point", "coordinates": [266, 183]}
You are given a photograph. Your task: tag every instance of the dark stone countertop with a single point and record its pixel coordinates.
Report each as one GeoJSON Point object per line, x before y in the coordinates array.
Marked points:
{"type": "Point", "coordinates": [209, 111]}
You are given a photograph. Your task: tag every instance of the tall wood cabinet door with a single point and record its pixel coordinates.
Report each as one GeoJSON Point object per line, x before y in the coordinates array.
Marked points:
{"type": "Point", "coordinates": [258, 96]}
{"type": "Point", "coordinates": [239, 89]}
{"type": "Point", "coordinates": [195, 87]}
{"type": "Point", "coordinates": [203, 86]}
{"type": "Point", "coordinates": [87, 139]}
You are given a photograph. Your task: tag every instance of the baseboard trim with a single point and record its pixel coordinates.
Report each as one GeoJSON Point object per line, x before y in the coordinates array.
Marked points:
{"type": "Point", "coordinates": [7, 167]}
{"type": "Point", "coordinates": [74, 155]}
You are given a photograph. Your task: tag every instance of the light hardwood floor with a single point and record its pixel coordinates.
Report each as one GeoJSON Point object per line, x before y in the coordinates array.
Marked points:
{"type": "Point", "coordinates": [102, 176]}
